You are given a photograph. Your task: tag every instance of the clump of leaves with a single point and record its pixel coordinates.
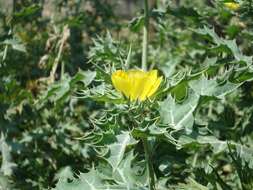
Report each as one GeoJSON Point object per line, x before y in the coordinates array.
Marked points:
{"type": "Point", "coordinates": [77, 132]}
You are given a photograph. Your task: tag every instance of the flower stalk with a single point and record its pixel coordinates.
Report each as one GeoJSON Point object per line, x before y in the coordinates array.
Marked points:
{"type": "Point", "coordinates": [148, 153]}
{"type": "Point", "coordinates": [145, 36]}
{"type": "Point", "coordinates": [149, 165]}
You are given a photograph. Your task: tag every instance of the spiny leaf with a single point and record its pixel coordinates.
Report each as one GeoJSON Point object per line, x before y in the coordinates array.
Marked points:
{"type": "Point", "coordinates": [59, 91]}
{"type": "Point", "coordinates": [126, 175]}
{"type": "Point", "coordinates": [89, 181]}
{"type": "Point", "coordinates": [179, 116]}
{"type": "Point", "coordinates": [205, 87]}
{"type": "Point", "coordinates": [229, 44]}
{"type": "Point", "coordinates": [124, 179]}
{"type": "Point", "coordinates": [218, 146]}
{"type": "Point", "coordinates": [118, 148]}
{"type": "Point", "coordinates": [84, 76]}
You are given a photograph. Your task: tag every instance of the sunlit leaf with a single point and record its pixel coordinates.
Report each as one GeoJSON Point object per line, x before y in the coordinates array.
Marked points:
{"type": "Point", "coordinates": [179, 115]}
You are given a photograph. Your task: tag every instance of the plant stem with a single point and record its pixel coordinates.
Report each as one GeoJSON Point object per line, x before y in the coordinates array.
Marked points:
{"type": "Point", "coordinates": [65, 36]}
{"type": "Point", "coordinates": [148, 158]}
{"type": "Point", "coordinates": [145, 36]}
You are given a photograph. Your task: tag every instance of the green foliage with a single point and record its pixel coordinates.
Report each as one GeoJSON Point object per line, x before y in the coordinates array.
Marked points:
{"type": "Point", "coordinates": [122, 177]}
{"type": "Point", "coordinates": [64, 126]}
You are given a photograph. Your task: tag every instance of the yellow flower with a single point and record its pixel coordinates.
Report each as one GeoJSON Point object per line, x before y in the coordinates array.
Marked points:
{"type": "Point", "coordinates": [232, 6]}
{"type": "Point", "coordinates": [136, 84]}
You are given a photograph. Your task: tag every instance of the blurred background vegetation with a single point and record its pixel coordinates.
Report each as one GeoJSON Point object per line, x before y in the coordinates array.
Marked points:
{"type": "Point", "coordinates": [48, 50]}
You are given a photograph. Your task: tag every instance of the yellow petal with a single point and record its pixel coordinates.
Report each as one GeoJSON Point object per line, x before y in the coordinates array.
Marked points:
{"type": "Point", "coordinates": [232, 6]}
{"type": "Point", "coordinates": [136, 84]}
{"type": "Point", "coordinates": [148, 84]}
{"type": "Point", "coordinates": [155, 86]}
{"type": "Point", "coordinates": [136, 78]}
{"type": "Point", "coordinates": [121, 82]}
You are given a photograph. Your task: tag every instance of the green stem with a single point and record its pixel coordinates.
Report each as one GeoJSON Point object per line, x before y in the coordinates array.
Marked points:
{"type": "Point", "coordinates": [5, 52]}
{"type": "Point", "coordinates": [148, 158]}
{"type": "Point", "coordinates": [62, 69]}
{"type": "Point", "coordinates": [145, 36]}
